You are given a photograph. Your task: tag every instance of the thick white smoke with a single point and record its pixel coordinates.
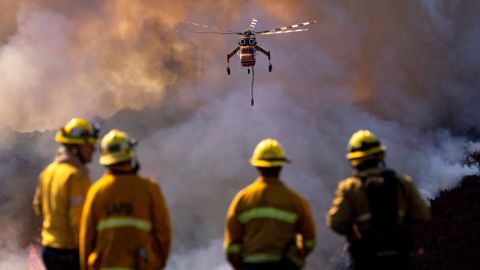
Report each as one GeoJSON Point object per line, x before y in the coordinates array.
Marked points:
{"type": "Point", "coordinates": [406, 70]}
{"type": "Point", "coordinates": [32, 67]}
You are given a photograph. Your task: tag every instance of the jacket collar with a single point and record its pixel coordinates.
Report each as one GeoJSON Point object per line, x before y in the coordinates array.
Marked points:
{"type": "Point", "coordinates": [63, 155]}
{"type": "Point", "coordinates": [269, 180]}
{"type": "Point", "coordinates": [370, 171]}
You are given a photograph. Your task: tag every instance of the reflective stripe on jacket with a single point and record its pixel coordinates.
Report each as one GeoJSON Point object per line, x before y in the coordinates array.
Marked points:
{"type": "Point", "coordinates": [267, 221]}
{"type": "Point", "coordinates": [125, 224]}
{"type": "Point", "coordinates": [59, 198]}
{"type": "Point", "coordinates": [350, 214]}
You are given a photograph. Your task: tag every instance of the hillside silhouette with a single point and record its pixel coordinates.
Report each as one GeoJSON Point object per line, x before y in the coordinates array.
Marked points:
{"type": "Point", "coordinates": [451, 239]}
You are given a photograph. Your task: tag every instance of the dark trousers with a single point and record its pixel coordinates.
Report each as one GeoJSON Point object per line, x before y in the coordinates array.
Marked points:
{"type": "Point", "coordinates": [363, 258]}
{"type": "Point", "coordinates": [379, 264]}
{"type": "Point", "coordinates": [282, 265]}
{"type": "Point", "coordinates": [61, 259]}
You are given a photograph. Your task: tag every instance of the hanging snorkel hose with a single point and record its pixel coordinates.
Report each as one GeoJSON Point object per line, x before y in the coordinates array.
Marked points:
{"type": "Point", "coordinates": [252, 102]}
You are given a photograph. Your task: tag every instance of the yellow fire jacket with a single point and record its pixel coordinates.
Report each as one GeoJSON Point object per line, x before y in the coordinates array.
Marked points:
{"type": "Point", "coordinates": [59, 196]}
{"type": "Point", "coordinates": [266, 222]}
{"type": "Point", "coordinates": [125, 224]}
{"type": "Point", "coordinates": [350, 214]}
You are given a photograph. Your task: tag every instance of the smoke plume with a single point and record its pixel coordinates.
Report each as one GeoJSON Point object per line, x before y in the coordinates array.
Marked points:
{"type": "Point", "coordinates": [407, 70]}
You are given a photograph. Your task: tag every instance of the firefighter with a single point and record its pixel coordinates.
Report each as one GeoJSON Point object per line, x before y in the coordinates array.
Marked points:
{"type": "Point", "coordinates": [60, 193]}
{"type": "Point", "coordinates": [375, 208]}
{"type": "Point", "coordinates": [125, 222]}
{"type": "Point", "coordinates": [268, 225]}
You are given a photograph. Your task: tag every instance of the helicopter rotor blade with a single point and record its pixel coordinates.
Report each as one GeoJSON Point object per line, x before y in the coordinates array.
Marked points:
{"type": "Point", "coordinates": [283, 32]}
{"type": "Point", "coordinates": [217, 32]}
{"type": "Point", "coordinates": [202, 25]}
{"type": "Point", "coordinates": [284, 28]}
{"type": "Point", "coordinates": [253, 23]}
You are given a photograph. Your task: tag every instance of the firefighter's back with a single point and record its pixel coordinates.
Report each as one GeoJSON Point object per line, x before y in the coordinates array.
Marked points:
{"type": "Point", "coordinates": [268, 199]}
{"type": "Point", "coordinates": [59, 183]}
{"type": "Point", "coordinates": [122, 210]}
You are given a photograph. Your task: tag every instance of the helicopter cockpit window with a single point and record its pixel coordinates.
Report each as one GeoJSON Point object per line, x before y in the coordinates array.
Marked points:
{"type": "Point", "coordinates": [243, 42]}
{"type": "Point", "coordinates": [251, 41]}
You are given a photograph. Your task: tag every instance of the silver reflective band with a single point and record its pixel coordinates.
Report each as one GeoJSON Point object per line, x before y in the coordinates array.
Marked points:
{"type": "Point", "coordinates": [266, 258]}
{"type": "Point", "coordinates": [234, 248]}
{"type": "Point", "coordinates": [267, 212]}
{"type": "Point", "coordinates": [261, 257]}
{"type": "Point", "coordinates": [309, 243]}
{"type": "Point", "coordinates": [368, 216]}
{"type": "Point", "coordinates": [364, 217]}
{"type": "Point", "coordinates": [118, 222]}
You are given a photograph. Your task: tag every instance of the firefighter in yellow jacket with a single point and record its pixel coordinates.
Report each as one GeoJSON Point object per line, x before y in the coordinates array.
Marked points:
{"type": "Point", "coordinates": [268, 225]}
{"type": "Point", "coordinates": [375, 208]}
{"type": "Point", "coordinates": [125, 222]}
{"type": "Point", "coordinates": [60, 193]}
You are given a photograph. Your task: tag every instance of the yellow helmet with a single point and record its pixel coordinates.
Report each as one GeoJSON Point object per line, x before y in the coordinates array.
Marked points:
{"type": "Point", "coordinates": [116, 147]}
{"type": "Point", "coordinates": [268, 153]}
{"type": "Point", "coordinates": [364, 143]}
{"type": "Point", "coordinates": [78, 131]}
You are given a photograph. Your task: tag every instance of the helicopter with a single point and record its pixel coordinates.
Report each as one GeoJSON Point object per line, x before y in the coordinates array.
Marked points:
{"type": "Point", "coordinates": [247, 44]}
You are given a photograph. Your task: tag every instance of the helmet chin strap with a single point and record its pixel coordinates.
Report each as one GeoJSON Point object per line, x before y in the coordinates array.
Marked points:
{"type": "Point", "coordinates": [80, 157]}
{"type": "Point", "coordinates": [135, 165]}
{"type": "Point", "coordinates": [370, 163]}
{"type": "Point", "coordinates": [75, 151]}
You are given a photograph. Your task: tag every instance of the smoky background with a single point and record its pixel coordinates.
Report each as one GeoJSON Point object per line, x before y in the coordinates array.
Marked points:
{"type": "Point", "coordinates": [407, 70]}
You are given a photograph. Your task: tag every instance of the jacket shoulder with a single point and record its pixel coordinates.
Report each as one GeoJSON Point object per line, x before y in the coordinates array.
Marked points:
{"type": "Point", "coordinates": [102, 183]}
{"type": "Point", "coordinates": [150, 182]}
{"type": "Point", "coordinates": [352, 182]}
{"type": "Point", "coordinates": [149, 185]}
{"type": "Point", "coordinates": [63, 166]}
{"type": "Point", "coordinates": [241, 195]}
{"type": "Point", "coordinates": [251, 188]}
{"type": "Point", "coordinates": [295, 195]}
{"type": "Point", "coordinates": [406, 182]}
{"type": "Point", "coordinates": [67, 170]}
{"type": "Point", "coordinates": [404, 178]}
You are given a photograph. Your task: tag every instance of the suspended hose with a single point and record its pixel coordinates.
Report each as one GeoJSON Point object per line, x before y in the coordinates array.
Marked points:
{"type": "Point", "coordinates": [252, 102]}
